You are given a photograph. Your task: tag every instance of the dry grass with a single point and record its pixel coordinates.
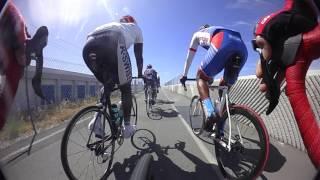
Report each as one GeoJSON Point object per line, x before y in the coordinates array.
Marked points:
{"type": "Point", "coordinates": [19, 124]}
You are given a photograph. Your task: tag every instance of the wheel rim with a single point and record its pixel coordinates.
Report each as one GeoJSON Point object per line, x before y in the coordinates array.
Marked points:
{"type": "Point", "coordinates": [244, 159]}
{"type": "Point", "coordinates": [82, 162]}
{"type": "Point", "coordinates": [196, 116]}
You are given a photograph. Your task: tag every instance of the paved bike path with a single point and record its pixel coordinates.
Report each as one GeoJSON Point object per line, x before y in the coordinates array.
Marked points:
{"type": "Point", "coordinates": [189, 159]}
{"type": "Point", "coordinates": [186, 161]}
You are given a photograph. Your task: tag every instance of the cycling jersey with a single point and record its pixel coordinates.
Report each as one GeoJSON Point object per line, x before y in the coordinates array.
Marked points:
{"type": "Point", "coordinates": [131, 32]}
{"type": "Point", "coordinates": [12, 39]}
{"type": "Point", "coordinates": [297, 16]}
{"type": "Point", "coordinates": [150, 74]}
{"type": "Point", "coordinates": [222, 45]}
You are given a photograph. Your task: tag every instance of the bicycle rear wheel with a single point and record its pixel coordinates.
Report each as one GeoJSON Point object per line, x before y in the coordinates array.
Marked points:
{"type": "Point", "coordinates": [196, 116]}
{"type": "Point", "coordinates": [84, 156]}
{"type": "Point", "coordinates": [249, 144]}
{"type": "Point", "coordinates": [149, 101]}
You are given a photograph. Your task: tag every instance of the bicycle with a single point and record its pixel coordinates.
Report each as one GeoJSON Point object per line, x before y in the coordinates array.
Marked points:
{"type": "Point", "coordinates": [100, 149]}
{"type": "Point", "coordinates": [230, 142]}
{"type": "Point", "coordinates": [149, 99]}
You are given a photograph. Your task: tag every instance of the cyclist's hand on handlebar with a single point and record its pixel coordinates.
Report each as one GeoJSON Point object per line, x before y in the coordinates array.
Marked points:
{"type": "Point", "coordinates": [140, 75]}
{"type": "Point", "coordinates": [183, 80]}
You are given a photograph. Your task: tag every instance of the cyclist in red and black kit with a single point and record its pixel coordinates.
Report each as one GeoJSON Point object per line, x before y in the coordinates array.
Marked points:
{"type": "Point", "coordinates": [271, 35]}
{"type": "Point", "coordinates": [16, 52]}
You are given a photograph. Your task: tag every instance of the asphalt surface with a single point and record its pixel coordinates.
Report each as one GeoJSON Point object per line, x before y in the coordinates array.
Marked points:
{"type": "Point", "coordinates": [178, 154]}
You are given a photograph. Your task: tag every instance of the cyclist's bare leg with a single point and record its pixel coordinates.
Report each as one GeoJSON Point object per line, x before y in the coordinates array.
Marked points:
{"type": "Point", "coordinates": [209, 108]}
{"type": "Point", "coordinates": [296, 92]}
{"type": "Point", "coordinates": [203, 88]}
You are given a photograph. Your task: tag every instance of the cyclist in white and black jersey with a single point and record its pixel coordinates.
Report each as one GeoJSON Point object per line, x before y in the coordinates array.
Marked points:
{"type": "Point", "coordinates": [106, 55]}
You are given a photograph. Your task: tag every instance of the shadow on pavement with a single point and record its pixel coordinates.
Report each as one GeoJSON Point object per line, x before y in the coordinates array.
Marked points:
{"type": "Point", "coordinates": [276, 160]}
{"type": "Point", "coordinates": [163, 167]}
{"type": "Point", "coordinates": [157, 113]}
{"type": "Point", "coordinates": [162, 102]}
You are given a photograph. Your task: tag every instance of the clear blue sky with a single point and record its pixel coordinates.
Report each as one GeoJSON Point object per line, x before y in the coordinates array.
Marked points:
{"type": "Point", "coordinates": [167, 27]}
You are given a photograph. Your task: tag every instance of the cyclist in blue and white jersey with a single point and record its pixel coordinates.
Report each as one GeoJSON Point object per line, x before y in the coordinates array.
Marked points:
{"type": "Point", "coordinates": [225, 50]}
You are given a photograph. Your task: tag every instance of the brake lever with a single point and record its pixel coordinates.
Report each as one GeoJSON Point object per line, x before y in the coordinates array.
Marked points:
{"type": "Point", "coordinates": [38, 43]}
{"type": "Point", "coordinates": [36, 80]}
{"type": "Point", "coordinates": [270, 77]}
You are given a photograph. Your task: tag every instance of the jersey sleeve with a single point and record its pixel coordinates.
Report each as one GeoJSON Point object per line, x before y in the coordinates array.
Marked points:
{"type": "Point", "coordinates": [19, 25]}
{"type": "Point", "coordinates": [139, 38]}
{"type": "Point", "coordinates": [191, 52]}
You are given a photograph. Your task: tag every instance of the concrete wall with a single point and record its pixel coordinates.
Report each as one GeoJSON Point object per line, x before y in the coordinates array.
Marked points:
{"type": "Point", "coordinates": [55, 79]}
{"type": "Point", "coordinates": [77, 85]}
{"type": "Point", "coordinates": [280, 123]}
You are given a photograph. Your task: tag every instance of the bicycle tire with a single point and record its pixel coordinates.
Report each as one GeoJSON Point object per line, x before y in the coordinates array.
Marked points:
{"type": "Point", "coordinates": [145, 142]}
{"type": "Point", "coordinates": [253, 120]}
{"type": "Point", "coordinates": [148, 103]}
{"type": "Point", "coordinates": [134, 111]}
{"type": "Point", "coordinates": [65, 141]}
{"type": "Point", "coordinates": [142, 168]}
{"type": "Point", "coordinates": [194, 118]}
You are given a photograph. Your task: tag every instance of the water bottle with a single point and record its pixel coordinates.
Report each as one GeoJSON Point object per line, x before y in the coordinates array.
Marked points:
{"type": "Point", "coordinates": [115, 113]}
{"type": "Point", "coordinates": [120, 119]}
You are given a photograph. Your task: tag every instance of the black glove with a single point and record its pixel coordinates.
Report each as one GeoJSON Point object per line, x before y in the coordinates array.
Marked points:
{"type": "Point", "coordinates": [183, 80]}
{"type": "Point", "coordinates": [140, 75]}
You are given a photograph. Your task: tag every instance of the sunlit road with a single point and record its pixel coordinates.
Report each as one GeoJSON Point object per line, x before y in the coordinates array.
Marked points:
{"type": "Point", "coordinates": [195, 160]}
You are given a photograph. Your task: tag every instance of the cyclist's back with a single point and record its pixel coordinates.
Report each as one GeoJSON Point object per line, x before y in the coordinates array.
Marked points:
{"type": "Point", "coordinates": [106, 55]}
{"type": "Point", "coordinates": [150, 80]}
{"type": "Point", "coordinates": [130, 31]}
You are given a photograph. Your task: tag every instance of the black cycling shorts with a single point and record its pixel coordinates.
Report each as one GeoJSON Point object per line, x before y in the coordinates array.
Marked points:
{"type": "Point", "coordinates": [107, 57]}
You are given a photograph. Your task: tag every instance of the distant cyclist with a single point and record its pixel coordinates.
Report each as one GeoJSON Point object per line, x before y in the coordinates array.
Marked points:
{"type": "Point", "coordinates": [225, 50]}
{"type": "Point", "coordinates": [270, 34]}
{"type": "Point", "coordinates": [106, 55]}
{"type": "Point", "coordinates": [150, 80]}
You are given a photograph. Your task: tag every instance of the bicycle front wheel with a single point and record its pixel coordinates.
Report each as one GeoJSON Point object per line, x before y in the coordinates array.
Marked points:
{"type": "Point", "coordinates": [149, 101]}
{"type": "Point", "coordinates": [84, 156]}
{"type": "Point", "coordinates": [249, 144]}
{"type": "Point", "coordinates": [134, 111]}
{"type": "Point", "coordinates": [196, 116]}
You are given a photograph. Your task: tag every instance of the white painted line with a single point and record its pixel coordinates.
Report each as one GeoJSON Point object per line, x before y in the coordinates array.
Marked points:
{"type": "Point", "coordinates": [207, 154]}
{"type": "Point", "coordinates": [4, 159]}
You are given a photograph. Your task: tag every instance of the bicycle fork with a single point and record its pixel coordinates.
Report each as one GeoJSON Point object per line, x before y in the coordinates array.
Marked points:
{"type": "Point", "coordinates": [230, 140]}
